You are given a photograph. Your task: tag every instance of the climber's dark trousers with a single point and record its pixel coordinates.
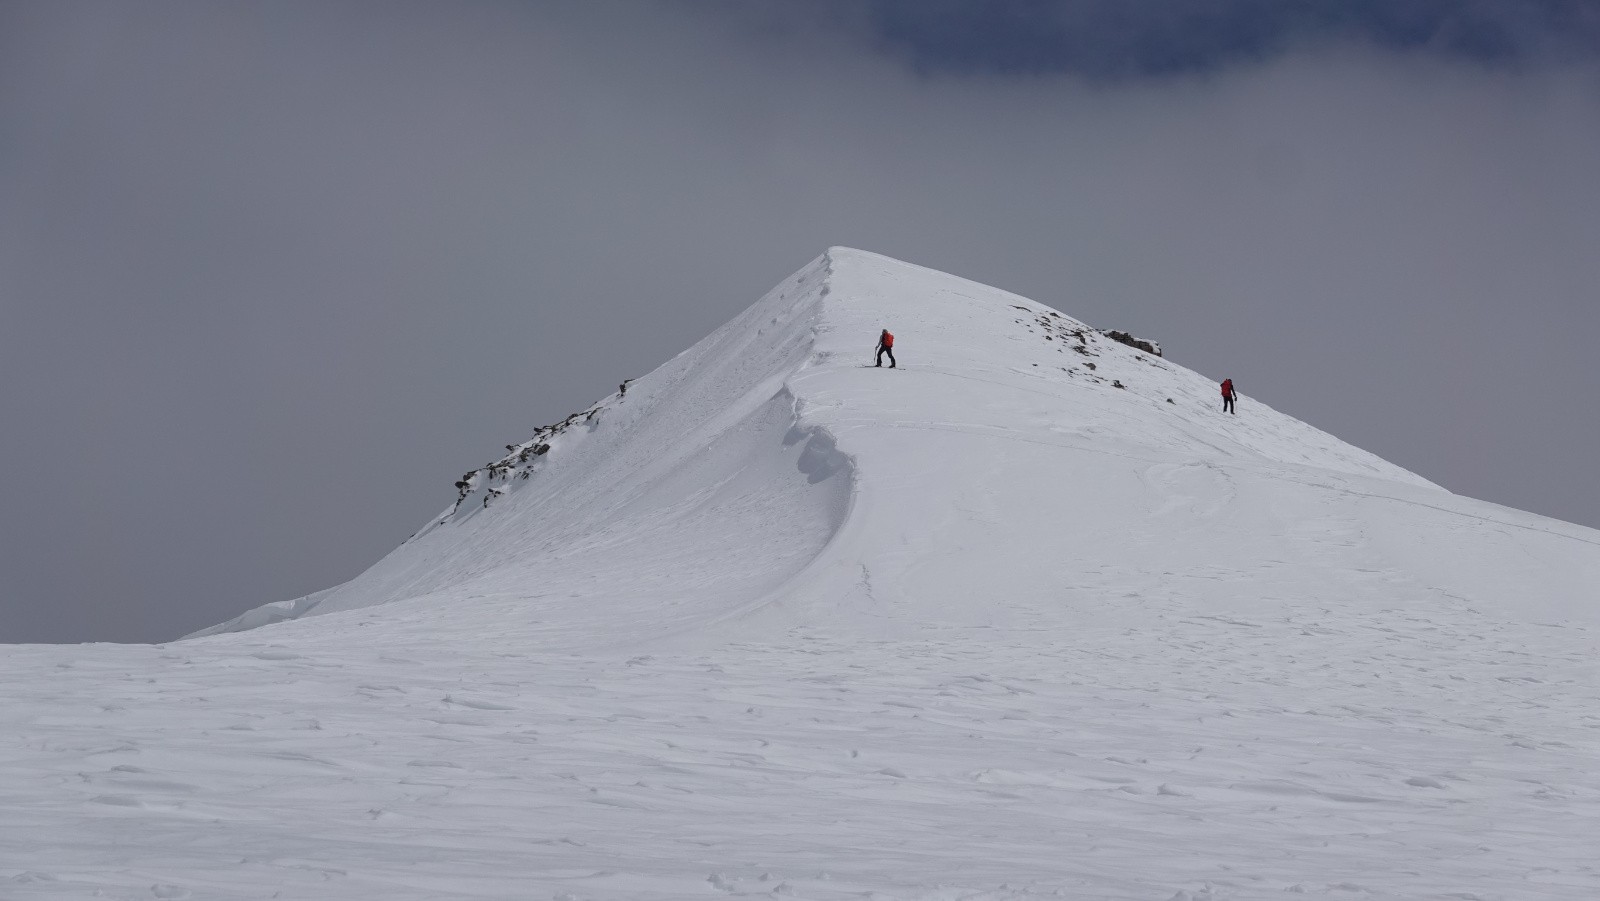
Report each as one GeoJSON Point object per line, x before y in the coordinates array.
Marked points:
{"type": "Point", "coordinates": [1227, 404]}
{"type": "Point", "coordinates": [886, 350]}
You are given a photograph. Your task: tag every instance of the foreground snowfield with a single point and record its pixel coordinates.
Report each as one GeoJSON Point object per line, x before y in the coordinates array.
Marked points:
{"type": "Point", "coordinates": [772, 623]}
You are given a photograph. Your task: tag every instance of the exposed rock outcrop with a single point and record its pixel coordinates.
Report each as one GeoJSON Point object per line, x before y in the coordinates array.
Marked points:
{"type": "Point", "coordinates": [1149, 347]}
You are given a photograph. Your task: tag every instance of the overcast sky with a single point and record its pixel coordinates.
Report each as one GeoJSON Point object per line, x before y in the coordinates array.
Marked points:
{"type": "Point", "coordinates": [273, 275]}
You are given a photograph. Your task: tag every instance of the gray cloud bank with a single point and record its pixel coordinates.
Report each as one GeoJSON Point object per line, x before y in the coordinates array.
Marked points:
{"type": "Point", "coordinates": [1124, 39]}
{"type": "Point", "coordinates": [272, 275]}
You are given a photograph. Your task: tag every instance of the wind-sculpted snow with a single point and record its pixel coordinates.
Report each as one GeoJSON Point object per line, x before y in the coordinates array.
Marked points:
{"type": "Point", "coordinates": [1400, 754]}
{"type": "Point", "coordinates": [689, 495]}
{"type": "Point", "coordinates": [1027, 616]}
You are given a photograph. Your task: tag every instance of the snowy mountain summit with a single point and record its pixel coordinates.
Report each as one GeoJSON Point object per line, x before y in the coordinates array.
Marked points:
{"type": "Point", "coordinates": [1020, 470]}
{"type": "Point", "coordinates": [1027, 616]}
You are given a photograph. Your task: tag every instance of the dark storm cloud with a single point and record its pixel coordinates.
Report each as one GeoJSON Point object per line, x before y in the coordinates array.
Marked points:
{"type": "Point", "coordinates": [273, 275]}
{"type": "Point", "coordinates": [1123, 39]}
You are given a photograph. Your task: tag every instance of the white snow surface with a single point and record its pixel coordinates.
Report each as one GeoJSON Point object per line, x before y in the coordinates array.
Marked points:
{"type": "Point", "coordinates": [1027, 616]}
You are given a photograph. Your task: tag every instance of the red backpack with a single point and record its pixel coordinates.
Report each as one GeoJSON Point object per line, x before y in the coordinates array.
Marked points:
{"type": "Point", "coordinates": [888, 339]}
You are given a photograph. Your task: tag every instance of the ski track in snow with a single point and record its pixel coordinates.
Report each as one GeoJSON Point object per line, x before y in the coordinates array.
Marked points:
{"type": "Point", "coordinates": [773, 624]}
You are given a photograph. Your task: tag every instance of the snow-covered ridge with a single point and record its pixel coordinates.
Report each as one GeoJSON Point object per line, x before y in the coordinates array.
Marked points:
{"type": "Point", "coordinates": [701, 458]}
{"type": "Point", "coordinates": [772, 476]}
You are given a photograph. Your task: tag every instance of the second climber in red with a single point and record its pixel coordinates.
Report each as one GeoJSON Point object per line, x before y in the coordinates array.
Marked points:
{"type": "Point", "coordinates": [886, 346]}
{"type": "Point", "coordinates": [1227, 395]}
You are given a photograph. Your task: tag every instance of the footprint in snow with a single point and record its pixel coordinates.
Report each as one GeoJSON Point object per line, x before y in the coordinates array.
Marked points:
{"type": "Point", "coordinates": [1424, 782]}
{"type": "Point", "coordinates": [475, 705]}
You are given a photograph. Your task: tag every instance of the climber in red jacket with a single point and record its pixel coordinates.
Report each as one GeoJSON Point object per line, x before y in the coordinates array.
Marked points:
{"type": "Point", "coordinates": [886, 346]}
{"type": "Point", "coordinates": [1227, 395]}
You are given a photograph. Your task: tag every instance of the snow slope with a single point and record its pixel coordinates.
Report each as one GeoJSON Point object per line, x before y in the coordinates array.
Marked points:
{"type": "Point", "coordinates": [680, 500]}
{"type": "Point", "coordinates": [1027, 616]}
{"type": "Point", "coordinates": [1000, 478]}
